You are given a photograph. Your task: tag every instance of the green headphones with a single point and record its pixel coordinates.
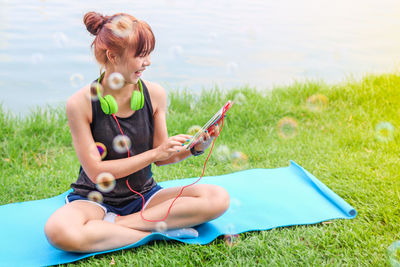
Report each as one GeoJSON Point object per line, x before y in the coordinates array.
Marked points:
{"type": "Point", "coordinates": [110, 106]}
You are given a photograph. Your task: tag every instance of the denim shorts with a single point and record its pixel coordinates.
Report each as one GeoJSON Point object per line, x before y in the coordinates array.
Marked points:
{"type": "Point", "coordinates": [132, 207]}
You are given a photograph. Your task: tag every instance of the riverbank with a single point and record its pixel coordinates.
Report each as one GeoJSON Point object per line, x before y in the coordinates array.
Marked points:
{"type": "Point", "coordinates": [346, 134]}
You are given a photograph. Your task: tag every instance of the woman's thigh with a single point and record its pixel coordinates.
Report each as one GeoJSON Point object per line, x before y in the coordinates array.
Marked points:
{"type": "Point", "coordinates": [197, 190]}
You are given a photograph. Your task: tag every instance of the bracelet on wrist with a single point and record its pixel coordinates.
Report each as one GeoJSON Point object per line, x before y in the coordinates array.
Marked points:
{"type": "Point", "coordinates": [195, 152]}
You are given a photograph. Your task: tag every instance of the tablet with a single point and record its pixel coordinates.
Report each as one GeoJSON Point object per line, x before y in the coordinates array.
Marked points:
{"type": "Point", "coordinates": [214, 119]}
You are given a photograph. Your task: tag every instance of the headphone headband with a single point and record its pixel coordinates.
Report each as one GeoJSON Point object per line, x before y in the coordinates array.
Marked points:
{"type": "Point", "coordinates": [110, 106]}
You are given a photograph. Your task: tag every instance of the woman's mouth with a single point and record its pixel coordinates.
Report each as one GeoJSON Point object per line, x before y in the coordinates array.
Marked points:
{"type": "Point", "coordinates": [139, 73]}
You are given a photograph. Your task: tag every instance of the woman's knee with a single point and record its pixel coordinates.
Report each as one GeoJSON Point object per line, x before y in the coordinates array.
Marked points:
{"type": "Point", "coordinates": [218, 199]}
{"type": "Point", "coordinates": [62, 235]}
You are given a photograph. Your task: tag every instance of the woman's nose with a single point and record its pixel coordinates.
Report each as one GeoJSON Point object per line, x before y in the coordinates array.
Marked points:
{"type": "Point", "coordinates": [147, 60]}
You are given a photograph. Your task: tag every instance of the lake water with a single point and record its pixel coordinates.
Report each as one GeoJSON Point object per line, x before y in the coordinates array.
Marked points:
{"type": "Point", "coordinates": [45, 53]}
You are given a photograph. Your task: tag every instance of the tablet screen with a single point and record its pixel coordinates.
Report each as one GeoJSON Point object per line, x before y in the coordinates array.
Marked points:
{"type": "Point", "coordinates": [214, 119]}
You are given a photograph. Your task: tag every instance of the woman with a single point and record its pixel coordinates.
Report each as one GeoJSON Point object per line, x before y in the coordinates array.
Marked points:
{"type": "Point", "coordinates": [122, 47]}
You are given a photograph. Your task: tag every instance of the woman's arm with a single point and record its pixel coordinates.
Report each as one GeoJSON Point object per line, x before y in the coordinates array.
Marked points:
{"type": "Point", "coordinates": [79, 117]}
{"type": "Point", "coordinates": [159, 100]}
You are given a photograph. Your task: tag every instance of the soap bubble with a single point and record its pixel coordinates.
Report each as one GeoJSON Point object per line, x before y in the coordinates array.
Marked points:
{"type": "Point", "coordinates": [239, 160]}
{"type": "Point", "coordinates": [235, 205]}
{"type": "Point", "coordinates": [116, 81]}
{"type": "Point", "coordinates": [222, 153]}
{"type": "Point", "coordinates": [122, 26]}
{"type": "Point", "coordinates": [317, 102]}
{"type": "Point", "coordinates": [93, 91]}
{"type": "Point", "coordinates": [232, 68]}
{"type": "Point", "coordinates": [393, 253]}
{"type": "Point", "coordinates": [212, 36]}
{"type": "Point", "coordinates": [193, 129]}
{"type": "Point", "coordinates": [384, 131]}
{"type": "Point", "coordinates": [175, 51]}
{"type": "Point", "coordinates": [194, 103]}
{"type": "Point", "coordinates": [230, 237]}
{"type": "Point", "coordinates": [95, 196]}
{"type": "Point", "coordinates": [168, 103]}
{"type": "Point", "coordinates": [251, 34]}
{"type": "Point", "coordinates": [36, 58]}
{"type": "Point", "coordinates": [102, 149]}
{"type": "Point", "coordinates": [76, 80]}
{"type": "Point", "coordinates": [120, 142]}
{"type": "Point", "coordinates": [239, 99]}
{"type": "Point", "coordinates": [60, 39]}
{"type": "Point", "coordinates": [231, 240]}
{"type": "Point", "coordinates": [287, 127]}
{"type": "Point", "coordinates": [161, 227]}
{"type": "Point", "coordinates": [105, 182]}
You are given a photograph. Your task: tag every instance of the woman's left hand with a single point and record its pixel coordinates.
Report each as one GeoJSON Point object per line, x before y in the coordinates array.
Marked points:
{"type": "Point", "coordinates": [206, 138]}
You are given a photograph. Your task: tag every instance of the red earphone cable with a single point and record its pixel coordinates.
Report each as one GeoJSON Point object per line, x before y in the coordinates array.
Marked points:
{"type": "Point", "coordinates": [180, 193]}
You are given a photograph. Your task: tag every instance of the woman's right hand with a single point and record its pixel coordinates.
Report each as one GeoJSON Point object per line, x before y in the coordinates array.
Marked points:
{"type": "Point", "coordinates": [173, 145]}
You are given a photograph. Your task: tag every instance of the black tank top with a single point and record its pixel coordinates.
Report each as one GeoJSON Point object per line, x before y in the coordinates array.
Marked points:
{"type": "Point", "coordinates": [140, 130]}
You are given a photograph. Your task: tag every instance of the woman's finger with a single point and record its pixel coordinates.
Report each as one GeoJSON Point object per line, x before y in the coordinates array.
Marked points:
{"type": "Point", "coordinates": [182, 138]}
{"type": "Point", "coordinates": [173, 143]}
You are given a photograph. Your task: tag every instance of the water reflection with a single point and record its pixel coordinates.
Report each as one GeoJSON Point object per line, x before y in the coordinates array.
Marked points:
{"type": "Point", "coordinates": [199, 44]}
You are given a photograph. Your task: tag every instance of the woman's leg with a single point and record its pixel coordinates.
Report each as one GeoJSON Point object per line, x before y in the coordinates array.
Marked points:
{"type": "Point", "coordinates": [197, 204]}
{"type": "Point", "coordinates": [78, 226]}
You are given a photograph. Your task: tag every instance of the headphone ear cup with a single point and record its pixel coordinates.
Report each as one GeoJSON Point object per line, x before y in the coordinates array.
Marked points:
{"type": "Point", "coordinates": [112, 104]}
{"type": "Point", "coordinates": [135, 100]}
{"type": "Point", "coordinates": [141, 100]}
{"type": "Point", "coordinates": [104, 105]}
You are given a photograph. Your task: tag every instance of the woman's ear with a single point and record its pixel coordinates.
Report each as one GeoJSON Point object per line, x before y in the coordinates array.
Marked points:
{"type": "Point", "coordinates": [113, 58]}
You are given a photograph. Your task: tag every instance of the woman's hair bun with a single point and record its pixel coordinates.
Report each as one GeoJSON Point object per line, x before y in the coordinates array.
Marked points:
{"type": "Point", "coordinates": [94, 22]}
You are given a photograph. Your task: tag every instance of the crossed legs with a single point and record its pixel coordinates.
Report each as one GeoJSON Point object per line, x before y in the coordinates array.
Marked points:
{"type": "Point", "coordinates": [78, 226]}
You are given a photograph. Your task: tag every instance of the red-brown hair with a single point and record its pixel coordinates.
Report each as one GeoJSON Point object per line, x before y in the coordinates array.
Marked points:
{"type": "Point", "coordinates": [117, 33]}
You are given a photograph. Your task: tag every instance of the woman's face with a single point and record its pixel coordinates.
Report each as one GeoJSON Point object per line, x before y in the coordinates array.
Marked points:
{"type": "Point", "coordinates": [131, 67]}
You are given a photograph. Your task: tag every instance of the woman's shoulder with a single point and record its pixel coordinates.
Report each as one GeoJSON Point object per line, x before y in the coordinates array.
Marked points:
{"type": "Point", "coordinates": [79, 104]}
{"type": "Point", "coordinates": [157, 93]}
{"type": "Point", "coordinates": [154, 88]}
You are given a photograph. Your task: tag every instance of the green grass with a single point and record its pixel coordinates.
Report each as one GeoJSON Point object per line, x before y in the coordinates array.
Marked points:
{"type": "Point", "coordinates": [337, 144]}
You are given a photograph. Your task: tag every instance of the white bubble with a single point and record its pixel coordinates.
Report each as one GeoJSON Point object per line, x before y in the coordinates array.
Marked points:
{"type": "Point", "coordinates": [232, 68]}
{"type": "Point", "coordinates": [393, 253]}
{"type": "Point", "coordinates": [105, 182]}
{"type": "Point", "coordinates": [287, 127]}
{"type": "Point", "coordinates": [230, 229]}
{"type": "Point", "coordinates": [95, 196]}
{"type": "Point", "coordinates": [161, 226]}
{"type": "Point", "coordinates": [194, 103]}
{"type": "Point", "coordinates": [384, 131]}
{"type": "Point", "coordinates": [93, 91]}
{"type": "Point", "coordinates": [231, 240]}
{"type": "Point", "coordinates": [176, 51]}
{"type": "Point", "coordinates": [36, 58]}
{"type": "Point", "coordinates": [121, 143]}
{"type": "Point", "coordinates": [240, 99]}
{"type": "Point", "coordinates": [122, 26]}
{"type": "Point", "coordinates": [213, 35]}
{"type": "Point", "coordinates": [251, 34]}
{"type": "Point", "coordinates": [239, 160]}
{"type": "Point", "coordinates": [222, 153]}
{"type": "Point", "coordinates": [116, 81]}
{"type": "Point", "coordinates": [60, 39]}
{"type": "Point", "coordinates": [236, 203]}
{"type": "Point", "coordinates": [76, 80]}
{"type": "Point", "coordinates": [317, 102]}
{"type": "Point", "coordinates": [193, 129]}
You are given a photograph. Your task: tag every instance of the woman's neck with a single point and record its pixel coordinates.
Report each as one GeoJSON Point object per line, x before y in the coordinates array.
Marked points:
{"type": "Point", "coordinates": [125, 90]}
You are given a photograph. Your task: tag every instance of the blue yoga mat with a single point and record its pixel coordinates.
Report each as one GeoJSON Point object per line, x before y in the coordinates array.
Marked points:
{"type": "Point", "coordinates": [261, 199]}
